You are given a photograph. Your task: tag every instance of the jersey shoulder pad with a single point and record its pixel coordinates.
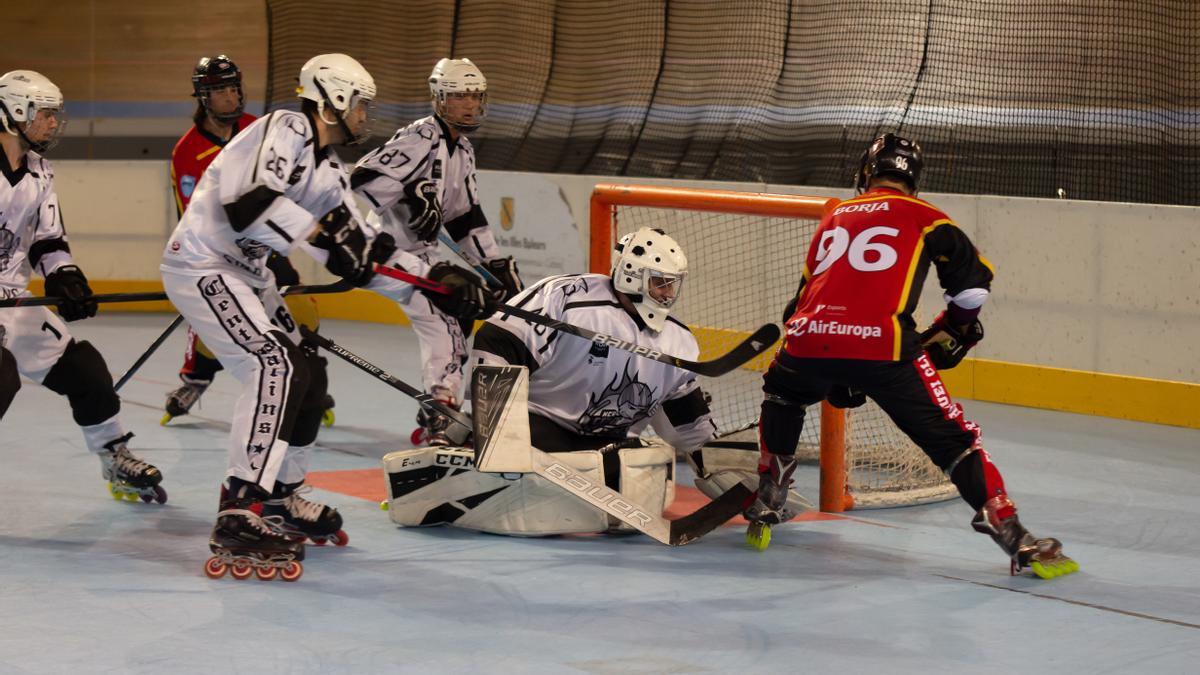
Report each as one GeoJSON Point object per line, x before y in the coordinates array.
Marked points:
{"type": "Point", "coordinates": [38, 165]}
{"type": "Point", "coordinates": [290, 120]}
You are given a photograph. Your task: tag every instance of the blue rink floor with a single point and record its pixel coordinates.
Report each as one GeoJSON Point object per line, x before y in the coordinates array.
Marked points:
{"type": "Point", "coordinates": [91, 585]}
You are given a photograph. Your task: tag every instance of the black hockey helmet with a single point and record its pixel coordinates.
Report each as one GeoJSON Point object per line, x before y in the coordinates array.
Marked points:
{"type": "Point", "coordinates": [216, 72]}
{"type": "Point", "coordinates": [893, 156]}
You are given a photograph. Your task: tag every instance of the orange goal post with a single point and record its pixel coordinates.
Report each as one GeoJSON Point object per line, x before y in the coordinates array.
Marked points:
{"type": "Point", "coordinates": [745, 253]}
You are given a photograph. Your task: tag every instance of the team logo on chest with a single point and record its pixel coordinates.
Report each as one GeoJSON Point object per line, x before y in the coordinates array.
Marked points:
{"type": "Point", "coordinates": [624, 401]}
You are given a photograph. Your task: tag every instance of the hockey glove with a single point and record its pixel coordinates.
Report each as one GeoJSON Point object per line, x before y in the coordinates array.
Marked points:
{"type": "Point", "coordinates": [68, 283]}
{"type": "Point", "coordinates": [382, 248]}
{"type": "Point", "coordinates": [424, 209]}
{"type": "Point", "coordinates": [347, 246]}
{"type": "Point", "coordinates": [841, 396]}
{"type": "Point", "coordinates": [947, 344]}
{"type": "Point", "coordinates": [505, 269]}
{"type": "Point", "coordinates": [468, 300]}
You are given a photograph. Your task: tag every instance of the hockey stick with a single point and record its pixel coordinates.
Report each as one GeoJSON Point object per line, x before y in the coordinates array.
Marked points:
{"type": "Point", "coordinates": [759, 342]}
{"type": "Point", "coordinates": [671, 532]}
{"type": "Point", "coordinates": [453, 246]}
{"type": "Point", "coordinates": [151, 296]}
{"type": "Point", "coordinates": [286, 290]}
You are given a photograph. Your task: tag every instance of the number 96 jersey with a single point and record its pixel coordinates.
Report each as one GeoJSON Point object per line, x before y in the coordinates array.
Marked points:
{"type": "Point", "coordinates": [864, 272]}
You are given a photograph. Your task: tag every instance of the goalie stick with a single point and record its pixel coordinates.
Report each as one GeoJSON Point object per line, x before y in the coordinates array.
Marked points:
{"type": "Point", "coordinates": [671, 532]}
{"type": "Point", "coordinates": [760, 341]}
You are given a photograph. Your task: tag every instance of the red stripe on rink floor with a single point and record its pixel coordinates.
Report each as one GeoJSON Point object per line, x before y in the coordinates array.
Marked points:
{"type": "Point", "coordinates": [371, 485]}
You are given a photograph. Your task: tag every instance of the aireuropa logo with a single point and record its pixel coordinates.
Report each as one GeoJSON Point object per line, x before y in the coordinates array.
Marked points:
{"type": "Point", "coordinates": [805, 326]}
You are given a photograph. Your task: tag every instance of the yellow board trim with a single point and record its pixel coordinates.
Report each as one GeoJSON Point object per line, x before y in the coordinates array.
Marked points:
{"type": "Point", "coordinates": [1077, 391]}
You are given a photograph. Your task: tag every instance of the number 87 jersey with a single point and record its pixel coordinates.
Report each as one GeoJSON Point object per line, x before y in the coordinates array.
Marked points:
{"type": "Point", "coordinates": [864, 272]}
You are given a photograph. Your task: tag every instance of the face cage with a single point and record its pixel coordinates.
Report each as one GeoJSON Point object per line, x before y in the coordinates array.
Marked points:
{"type": "Point", "coordinates": [227, 118]}
{"type": "Point", "coordinates": [60, 114]}
{"type": "Point", "coordinates": [439, 107]}
{"type": "Point", "coordinates": [656, 279]}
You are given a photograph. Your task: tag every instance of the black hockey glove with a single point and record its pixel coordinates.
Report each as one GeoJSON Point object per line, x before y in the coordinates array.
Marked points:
{"type": "Point", "coordinates": [469, 299]}
{"type": "Point", "coordinates": [68, 283]}
{"type": "Point", "coordinates": [347, 245]}
{"type": "Point", "coordinates": [505, 269]}
{"type": "Point", "coordinates": [382, 248]}
{"type": "Point", "coordinates": [841, 396]}
{"type": "Point", "coordinates": [946, 344]}
{"type": "Point", "coordinates": [425, 211]}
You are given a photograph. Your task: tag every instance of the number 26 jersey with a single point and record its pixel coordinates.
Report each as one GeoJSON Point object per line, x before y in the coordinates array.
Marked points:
{"type": "Point", "coordinates": [863, 276]}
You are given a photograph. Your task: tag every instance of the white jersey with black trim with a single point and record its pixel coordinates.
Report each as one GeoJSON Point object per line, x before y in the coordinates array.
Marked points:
{"type": "Point", "coordinates": [32, 236]}
{"type": "Point", "coordinates": [265, 190]}
{"type": "Point", "coordinates": [589, 388]}
{"type": "Point", "coordinates": [424, 151]}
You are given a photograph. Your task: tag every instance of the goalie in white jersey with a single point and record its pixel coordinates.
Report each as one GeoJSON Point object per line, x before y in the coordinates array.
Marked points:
{"type": "Point", "coordinates": [587, 400]}
{"type": "Point", "coordinates": [33, 340]}
{"type": "Point", "coordinates": [421, 180]}
{"type": "Point", "coordinates": [278, 185]}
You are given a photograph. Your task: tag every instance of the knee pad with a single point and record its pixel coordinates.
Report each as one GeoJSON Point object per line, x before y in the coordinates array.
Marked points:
{"type": "Point", "coordinates": [312, 405]}
{"type": "Point", "coordinates": [10, 380]}
{"type": "Point", "coordinates": [82, 376]}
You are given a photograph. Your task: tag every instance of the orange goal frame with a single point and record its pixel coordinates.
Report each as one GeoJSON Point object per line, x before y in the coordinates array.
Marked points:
{"type": "Point", "coordinates": [606, 197]}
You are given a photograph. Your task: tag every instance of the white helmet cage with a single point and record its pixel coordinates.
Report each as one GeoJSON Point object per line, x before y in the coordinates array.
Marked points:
{"type": "Point", "coordinates": [649, 260]}
{"type": "Point", "coordinates": [457, 76]}
{"type": "Point", "coordinates": [22, 94]}
{"type": "Point", "coordinates": [340, 82]}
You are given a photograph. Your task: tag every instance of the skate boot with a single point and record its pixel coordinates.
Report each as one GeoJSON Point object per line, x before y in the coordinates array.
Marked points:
{"type": "Point", "coordinates": [327, 418]}
{"type": "Point", "coordinates": [998, 518]}
{"type": "Point", "coordinates": [244, 543]}
{"type": "Point", "coordinates": [180, 401]}
{"type": "Point", "coordinates": [774, 483]}
{"type": "Point", "coordinates": [300, 519]}
{"type": "Point", "coordinates": [433, 427]}
{"type": "Point", "coordinates": [128, 477]}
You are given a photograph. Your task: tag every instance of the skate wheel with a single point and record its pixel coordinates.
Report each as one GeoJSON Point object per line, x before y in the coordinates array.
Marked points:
{"type": "Point", "coordinates": [416, 436]}
{"type": "Point", "coordinates": [758, 536]}
{"type": "Point", "coordinates": [165, 419]}
{"type": "Point", "coordinates": [160, 495]}
{"type": "Point", "coordinates": [131, 496]}
{"type": "Point", "coordinates": [241, 571]}
{"type": "Point", "coordinates": [327, 418]}
{"type": "Point", "coordinates": [340, 538]}
{"type": "Point", "coordinates": [214, 568]}
{"type": "Point", "coordinates": [319, 541]}
{"type": "Point", "coordinates": [291, 571]}
{"type": "Point", "coordinates": [112, 490]}
{"type": "Point", "coordinates": [267, 573]}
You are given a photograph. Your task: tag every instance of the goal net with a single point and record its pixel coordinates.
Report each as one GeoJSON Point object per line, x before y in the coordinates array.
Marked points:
{"type": "Point", "coordinates": [745, 252]}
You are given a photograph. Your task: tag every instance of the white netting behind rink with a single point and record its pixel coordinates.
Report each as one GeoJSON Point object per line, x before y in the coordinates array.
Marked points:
{"type": "Point", "coordinates": [743, 269]}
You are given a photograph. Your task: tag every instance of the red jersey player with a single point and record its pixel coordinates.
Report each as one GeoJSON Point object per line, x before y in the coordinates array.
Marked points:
{"type": "Point", "coordinates": [220, 102]}
{"type": "Point", "coordinates": [850, 334]}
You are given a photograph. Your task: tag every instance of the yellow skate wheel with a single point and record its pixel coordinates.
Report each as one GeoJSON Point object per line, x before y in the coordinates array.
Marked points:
{"type": "Point", "coordinates": [112, 490]}
{"type": "Point", "coordinates": [166, 418]}
{"type": "Point", "coordinates": [1058, 568]}
{"type": "Point", "coordinates": [327, 418]}
{"type": "Point", "coordinates": [758, 536]}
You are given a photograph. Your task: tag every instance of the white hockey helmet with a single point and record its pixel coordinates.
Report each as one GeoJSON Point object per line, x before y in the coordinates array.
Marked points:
{"type": "Point", "coordinates": [340, 82]}
{"type": "Point", "coordinates": [458, 76]}
{"type": "Point", "coordinates": [650, 267]}
{"type": "Point", "coordinates": [22, 94]}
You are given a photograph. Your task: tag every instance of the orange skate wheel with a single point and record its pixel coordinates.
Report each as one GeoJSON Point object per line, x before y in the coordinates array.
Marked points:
{"type": "Point", "coordinates": [267, 573]}
{"type": "Point", "coordinates": [292, 571]}
{"type": "Point", "coordinates": [241, 571]}
{"type": "Point", "coordinates": [214, 568]}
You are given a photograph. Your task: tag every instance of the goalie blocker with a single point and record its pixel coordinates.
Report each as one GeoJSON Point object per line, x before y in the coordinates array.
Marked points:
{"type": "Point", "coordinates": [442, 486]}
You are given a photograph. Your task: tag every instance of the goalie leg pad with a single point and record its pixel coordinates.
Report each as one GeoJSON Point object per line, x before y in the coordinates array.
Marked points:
{"type": "Point", "coordinates": [647, 478]}
{"type": "Point", "coordinates": [718, 469]}
{"type": "Point", "coordinates": [440, 486]}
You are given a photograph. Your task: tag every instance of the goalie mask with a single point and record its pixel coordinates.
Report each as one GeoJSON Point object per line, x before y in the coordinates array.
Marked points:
{"type": "Point", "coordinates": [215, 73]}
{"type": "Point", "coordinates": [649, 267]}
{"type": "Point", "coordinates": [891, 156]}
{"type": "Point", "coordinates": [31, 108]}
{"type": "Point", "coordinates": [459, 92]}
{"type": "Point", "coordinates": [339, 82]}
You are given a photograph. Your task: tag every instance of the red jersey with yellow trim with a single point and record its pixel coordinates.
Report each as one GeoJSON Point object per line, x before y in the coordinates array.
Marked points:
{"type": "Point", "coordinates": [864, 272]}
{"type": "Point", "coordinates": [192, 155]}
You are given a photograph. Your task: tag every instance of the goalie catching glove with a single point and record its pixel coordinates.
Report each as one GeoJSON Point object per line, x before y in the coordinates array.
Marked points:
{"type": "Point", "coordinates": [505, 270]}
{"type": "Point", "coordinates": [338, 234]}
{"type": "Point", "coordinates": [69, 284]}
{"type": "Point", "coordinates": [468, 299]}
{"type": "Point", "coordinates": [947, 344]}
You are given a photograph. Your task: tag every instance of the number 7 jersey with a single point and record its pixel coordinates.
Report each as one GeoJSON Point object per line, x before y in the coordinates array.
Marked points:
{"type": "Point", "coordinates": [864, 272]}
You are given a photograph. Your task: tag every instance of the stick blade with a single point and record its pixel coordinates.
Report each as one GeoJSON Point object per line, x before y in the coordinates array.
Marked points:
{"type": "Point", "coordinates": [758, 342]}
{"type": "Point", "coordinates": [710, 516]}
